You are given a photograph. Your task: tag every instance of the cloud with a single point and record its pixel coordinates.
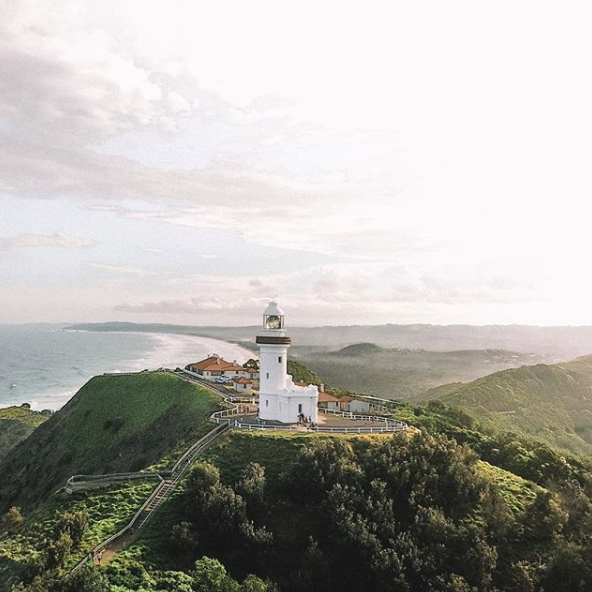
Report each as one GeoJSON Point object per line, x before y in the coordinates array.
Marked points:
{"type": "Point", "coordinates": [308, 148]}
{"type": "Point", "coordinates": [59, 240]}
{"type": "Point", "coordinates": [119, 269]}
{"type": "Point", "coordinates": [90, 85]}
{"type": "Point", "coordinates": [192, 306]}
{"type": "Point", "coordinates": [328, 294]}
{"type": "Point", "coordinates": [72, 80]}
{"type": "Point", "coordinates": [64, 86]}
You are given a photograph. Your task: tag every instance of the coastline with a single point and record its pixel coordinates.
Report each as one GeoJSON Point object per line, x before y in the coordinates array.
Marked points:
{"type": "Point", "coordinates": [165, 350]}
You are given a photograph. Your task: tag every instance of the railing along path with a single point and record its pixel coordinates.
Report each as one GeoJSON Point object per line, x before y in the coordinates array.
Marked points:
{"type": "Point", "coordinates": [161, 492]}
{"type": "Point", "coordinates": [225, 419]}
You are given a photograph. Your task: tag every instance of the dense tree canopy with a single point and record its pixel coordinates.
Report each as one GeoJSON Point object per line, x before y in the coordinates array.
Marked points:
{"type": "Point", "coordinates": [407, 513]}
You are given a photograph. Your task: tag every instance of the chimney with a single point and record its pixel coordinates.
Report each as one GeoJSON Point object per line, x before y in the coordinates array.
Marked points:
{"type": "Point", "coordinates": [321, 388]}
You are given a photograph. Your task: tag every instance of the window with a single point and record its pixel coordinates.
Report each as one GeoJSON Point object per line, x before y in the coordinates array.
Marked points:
{"type": "Point", "coordinates": [280, 359]}
{"type": "Point", "coordinates": [299, 407]}
{"type": "Point", "coordinates": [266, 402]}
{"type": "Point", "coordinates": [267, 375]}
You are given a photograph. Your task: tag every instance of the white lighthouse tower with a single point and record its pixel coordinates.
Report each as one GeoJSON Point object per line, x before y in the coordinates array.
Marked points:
{"type": "Point", "coordinates": [279, 398]}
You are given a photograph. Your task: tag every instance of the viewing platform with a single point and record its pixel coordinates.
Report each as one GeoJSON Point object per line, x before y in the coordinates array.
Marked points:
{"type": "Point", "coordinates": [245, 417]}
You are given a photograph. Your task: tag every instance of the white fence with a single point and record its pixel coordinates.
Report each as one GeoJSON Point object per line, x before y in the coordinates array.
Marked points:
{"type": "Point", "coordinates": [263, 426]}
{"type": "Point", "coordinates": [78, 482]}
{"type": "Point", "coordinates": [177, 472]}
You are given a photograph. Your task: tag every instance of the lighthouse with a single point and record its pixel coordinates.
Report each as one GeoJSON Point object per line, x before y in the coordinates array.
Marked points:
{"type": "Point", "coordinates": [279, 398]}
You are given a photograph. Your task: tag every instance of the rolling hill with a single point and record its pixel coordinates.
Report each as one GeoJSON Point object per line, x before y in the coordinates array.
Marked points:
{"type": "Point", "coordinates": [404, 373]}
{"type": "Point", "coordinates": [16, 423]}
{"type": "Point", "coordinates": [113, 424]}
{"type": "Point", "coordinates": [443, 507]}
{"type": "Point", "coordinates": [550, 402]}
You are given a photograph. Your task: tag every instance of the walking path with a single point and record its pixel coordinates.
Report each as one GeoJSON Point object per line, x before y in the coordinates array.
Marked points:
{"type": "Point", "coordinates": [159, 495]}
{"type": "Point", "coordinates": [241, 413]}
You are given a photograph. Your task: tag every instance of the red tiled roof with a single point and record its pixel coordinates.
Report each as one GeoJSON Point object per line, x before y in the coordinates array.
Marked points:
{"type": "Point", "coordinates": [327, 398]}
{"type": "Point", "coordinates": [243, 380]}
{"type": "Point", "coordinates": [215, 363]}
{"type": "Point", "coordinates": [205, 363]}
{"type": "Point", "coordinates": [233, 366]}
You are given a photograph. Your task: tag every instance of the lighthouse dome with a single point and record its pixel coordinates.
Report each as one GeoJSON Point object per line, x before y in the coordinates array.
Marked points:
{"type": "Point", "coordinates": [273, 309]}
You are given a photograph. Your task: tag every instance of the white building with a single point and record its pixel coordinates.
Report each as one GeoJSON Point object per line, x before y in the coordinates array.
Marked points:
{"type": "Point", "coordinates": [243, 385]}
{"type": "Point", "coordinates": [214, 367]}
{"type": "Point", "coordinates": [354, 405]}
{"type": "Point", "coordinates": [329, 402]}
{"type": "Point", "coordinates": [279, 398]}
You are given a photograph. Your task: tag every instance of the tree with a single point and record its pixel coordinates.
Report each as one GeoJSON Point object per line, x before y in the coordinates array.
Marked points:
{"type": "Point", "coordinates": [209, 575]}
{"type": "Point", "coordinates": [544, 518]}
{"type": "Point", "coordinates": [254, 584]}
{"type": "Point", "coordinates": [12, 519]}
{"type": "Point", "coordinates": [58, 550]}
{"type": "Point", "coordinates": [185, 540]}
{"type": "Point", "coordinates": [73, 523]}
{"type": "Point", "coordinates": [251, 487]}
{"type": "Point", "coordinates": [86, 579]}
{"type": "Point", "coordinates": [175, 581]}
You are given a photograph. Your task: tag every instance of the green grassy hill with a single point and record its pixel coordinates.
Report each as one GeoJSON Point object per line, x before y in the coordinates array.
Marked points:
{"type": "Point", "coordinates": [109, 509]}
{"type": "Point", "coordinates": [113, 424]}
{"type": "Point", "coordinates": [551, 403]}
{"type": "Point", "coordinates": [446, 507]}
{"type": "Point", "coordinates": [403, 373]}
{"type": "Point", "coordinates": [16, 423]}
{"type": "Point", "coordinates": [359, 349]}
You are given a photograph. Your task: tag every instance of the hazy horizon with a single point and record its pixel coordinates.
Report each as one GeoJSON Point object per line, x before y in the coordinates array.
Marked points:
{"type": "Point", "coordinates": [368, 163]}
{"type": "Point", "coordinates": [300, 326]}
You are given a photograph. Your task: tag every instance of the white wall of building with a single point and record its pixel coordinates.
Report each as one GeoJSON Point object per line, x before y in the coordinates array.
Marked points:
{"type": "Point", "coordinates": [279, 398]}
{"type": "Point", "coordinates": [356, 406]}
{"type": "Point", "coordinates": [287, 407]}
{"type": "Point", "coordinates": [273, 368]}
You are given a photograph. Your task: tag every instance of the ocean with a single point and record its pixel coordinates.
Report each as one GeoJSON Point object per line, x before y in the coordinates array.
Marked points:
{"type": "Point", "coordinates": [44, 365]}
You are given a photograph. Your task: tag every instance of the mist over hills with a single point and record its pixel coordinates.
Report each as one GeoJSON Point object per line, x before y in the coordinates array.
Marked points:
{"type": "Point", "coordinates": [555, 343]}
{"type": "Point", "coordinates": [403, 374]}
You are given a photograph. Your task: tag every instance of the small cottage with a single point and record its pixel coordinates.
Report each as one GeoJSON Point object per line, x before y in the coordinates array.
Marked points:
{"type": "Point", "coordinates": [243, 385]}
{"type": "Point", "coordinates": [214, 367]}
{"type": "Point", "coordinates": [329, 402]}
{"type": "Point", "coordinates": [354, 405]}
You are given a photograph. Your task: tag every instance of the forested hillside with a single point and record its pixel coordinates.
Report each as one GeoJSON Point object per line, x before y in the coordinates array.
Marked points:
{"type": "Point", "coordinates": [446, 507]}
{"type": "Point", "coordinates": [415, 512]}
{"type": "Point", "coordinates": [552, 403]}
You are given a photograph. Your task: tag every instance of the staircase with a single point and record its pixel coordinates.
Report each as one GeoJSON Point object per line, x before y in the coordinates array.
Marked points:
{"type": "Point", "coordinates": [161, 493]}
{"type": "Point", "coordinates": [165, 489]}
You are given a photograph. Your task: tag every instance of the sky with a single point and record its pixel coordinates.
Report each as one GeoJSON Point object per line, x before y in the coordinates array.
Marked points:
{"type": "Point", "coordinates": [364, 162]}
